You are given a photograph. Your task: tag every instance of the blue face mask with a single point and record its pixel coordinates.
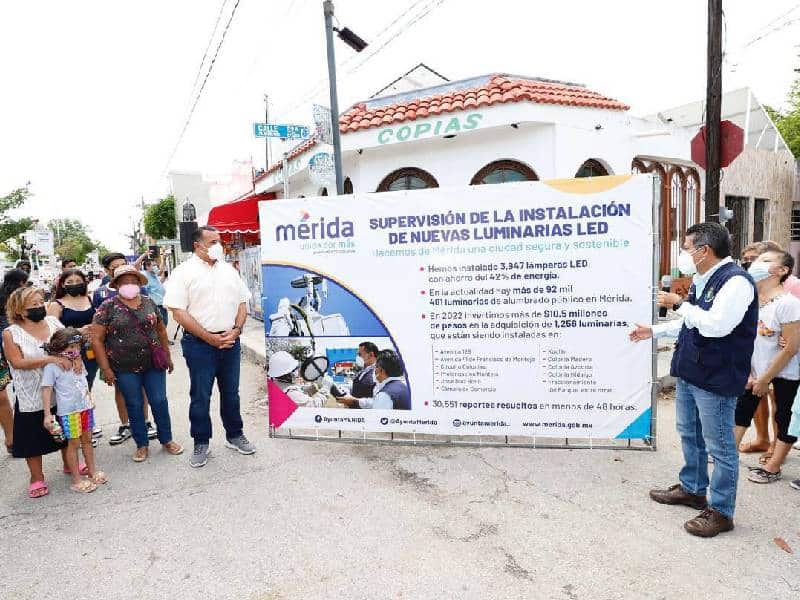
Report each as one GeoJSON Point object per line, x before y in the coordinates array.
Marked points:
{"type": "Point", "coordinates": [759, 271]}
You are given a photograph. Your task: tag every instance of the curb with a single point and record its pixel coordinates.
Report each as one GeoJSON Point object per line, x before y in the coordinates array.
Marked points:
{"type": "Point", "coordinates": [254, 355]}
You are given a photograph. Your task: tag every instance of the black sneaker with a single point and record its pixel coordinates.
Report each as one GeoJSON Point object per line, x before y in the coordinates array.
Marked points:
{"type": "Point", "coordinates": [152, 433]}
{"type": "Point", "coordinates": [123, 433]}
{"type": "Point", "coordinates": [97, 432]}
{"type": "Point", "coordinates": [795, 484]}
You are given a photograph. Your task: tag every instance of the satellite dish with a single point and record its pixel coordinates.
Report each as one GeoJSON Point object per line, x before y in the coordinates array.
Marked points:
{"type": "Point", "coordinates": [314, 368]}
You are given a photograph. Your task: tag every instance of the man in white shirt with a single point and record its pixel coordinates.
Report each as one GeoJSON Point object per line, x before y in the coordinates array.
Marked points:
{"type": "Point", "coordinates": [712, 364]}
{"type": "Point", "coordinates": [209, 300]}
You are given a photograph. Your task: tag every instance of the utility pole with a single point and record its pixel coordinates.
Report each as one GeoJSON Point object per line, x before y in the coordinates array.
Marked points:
{"type": "Point", "coordinates": [266, 139]}
{"type": "Point", "coordinates": [327, 7]}
{"type": "Point", "coordinates": [713, 108]}
{"type": "Point", "coordinates": [285, 172]}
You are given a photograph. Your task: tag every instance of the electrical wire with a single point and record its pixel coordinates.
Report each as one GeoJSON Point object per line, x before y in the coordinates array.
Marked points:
{"type": "Point", "coordinates": [202, 87]}
{"type": "Point", "coordinates": [208, 46]}
{"type": "Point", "coordinates": [759, 36]}
{"type": "Point", "coordinates": [310, 93]}
{"type": "Point", "coordinates": [436, 4]}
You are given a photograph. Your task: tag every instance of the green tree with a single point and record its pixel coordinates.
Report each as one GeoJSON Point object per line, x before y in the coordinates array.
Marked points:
{"type": "Point", "coordinates": [11, 229]}
{"type": "Point", "coordinates": [159, 219]}
{"type": "Point", "coordinates": [72, 239]}
{"type": "Point", "coordinates": [788, 122]}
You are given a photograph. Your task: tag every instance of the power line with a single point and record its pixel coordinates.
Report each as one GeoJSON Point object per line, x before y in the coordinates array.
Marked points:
{"type": "Point", "coordinates": [424, 11]}
{"type": "Point", "coordinates": [775, 20]}
{"type": "Point", "coordinates": [774, 29]}
{"type": "Point", "coordinates": [208, 46]}
{"type": "Point", "coordinates": [417, 19]}
{"type": "Point", "coordinates": [202, 87]}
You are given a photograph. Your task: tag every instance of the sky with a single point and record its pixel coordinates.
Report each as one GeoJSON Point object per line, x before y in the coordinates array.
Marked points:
{"type": "Point", "coordinates": [94, 95]}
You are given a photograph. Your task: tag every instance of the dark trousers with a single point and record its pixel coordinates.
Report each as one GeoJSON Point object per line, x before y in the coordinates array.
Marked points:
{"type": "Point", "coordinates": [207, 364]}
{"type": "Point", "coordinates": [785, 391]}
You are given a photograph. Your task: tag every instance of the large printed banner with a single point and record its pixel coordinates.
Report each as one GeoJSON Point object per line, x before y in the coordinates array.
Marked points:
{"type": "Point", "coordinates": [510, 307]}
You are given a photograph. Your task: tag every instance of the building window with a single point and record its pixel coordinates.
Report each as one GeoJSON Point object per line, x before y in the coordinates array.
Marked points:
{"type": "Point", "coordinates": [759, 220]}
{"type": "Point", "coordinates": [503, 171]}
{"type": "Point", "coordinates": [795, 226]}
{"type": "Point", "coordinates": [592, 168]}
{"type": "Point", "coordinates": [347, 187]}
{"type": "Point", "coordinates": [692, 198]}
{"type": "Point", "coordinates": [737, 226]}
{"type": "Point", "coordinates": [407, 179]}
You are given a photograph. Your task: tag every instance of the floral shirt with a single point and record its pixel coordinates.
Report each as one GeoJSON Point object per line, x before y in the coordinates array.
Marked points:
{"type": "Point", "coordinates": [127, 340]}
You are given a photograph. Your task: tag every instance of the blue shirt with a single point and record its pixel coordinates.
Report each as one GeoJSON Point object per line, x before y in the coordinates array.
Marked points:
{"type": "Point", "coordinates": [154, 288]}
{"type": "Point", "coordinates": [71, 389]}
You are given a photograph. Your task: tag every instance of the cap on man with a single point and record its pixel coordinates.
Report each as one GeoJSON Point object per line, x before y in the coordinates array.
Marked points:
{"type": "Point", "coordinates": [209, 300]}
{"type": "Point", "coordinates": [716, 334]}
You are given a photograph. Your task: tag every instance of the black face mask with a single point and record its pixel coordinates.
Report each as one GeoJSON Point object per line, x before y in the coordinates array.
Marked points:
{"type": "Point", "coordinates": [37, 314]}
{"type": "Point", "coordinates": [746, 265]}
{"type": "Point", "coordinates": [76, 290]}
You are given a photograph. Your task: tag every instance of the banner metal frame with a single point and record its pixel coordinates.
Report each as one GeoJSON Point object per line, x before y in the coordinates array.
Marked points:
{"type": "Point", "coordinates": [510, 441]}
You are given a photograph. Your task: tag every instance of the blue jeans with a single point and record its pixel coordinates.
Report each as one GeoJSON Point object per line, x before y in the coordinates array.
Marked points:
{"type": "Point", "coordinates": [154, 383]}
{"type": "Point", "coordinates": [206, 364]}
{"type": "Point", "coordinates": [705, 422]}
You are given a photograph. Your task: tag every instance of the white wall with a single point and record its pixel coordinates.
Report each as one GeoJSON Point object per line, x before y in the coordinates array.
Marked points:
{"type": "Point", "coordinates": [553, 140]}
{"type": "Point", "coordinates": [193, 185]}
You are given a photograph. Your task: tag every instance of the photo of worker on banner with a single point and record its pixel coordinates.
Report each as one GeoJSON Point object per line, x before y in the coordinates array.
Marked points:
{"type": "Point", "coordinates": [347, 373]}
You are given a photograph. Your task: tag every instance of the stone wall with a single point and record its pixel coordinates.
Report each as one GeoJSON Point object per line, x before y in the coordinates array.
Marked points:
{"type": "Point", "coordinates": [769, 175]}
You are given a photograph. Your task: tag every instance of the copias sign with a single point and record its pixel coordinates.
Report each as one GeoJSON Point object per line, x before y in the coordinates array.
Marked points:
{"type": "Point", "coordinates": [731, 144]}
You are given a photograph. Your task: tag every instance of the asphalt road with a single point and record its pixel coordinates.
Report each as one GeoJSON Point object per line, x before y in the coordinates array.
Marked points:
{"type": "Point", "coordinates": [321, 520]}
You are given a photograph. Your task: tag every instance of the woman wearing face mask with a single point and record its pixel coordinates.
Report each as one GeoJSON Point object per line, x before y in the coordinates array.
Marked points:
{"type": "Point", "coordinates": [130, 342]}
{"type": "Point", "coordinates": [73, 307]}
{"type": "Point", "coordinates": [778, 316]}
{"type": "Point", "coordinates": [13, 280]}
{"type": "Point", "coordinates": [22, 342]}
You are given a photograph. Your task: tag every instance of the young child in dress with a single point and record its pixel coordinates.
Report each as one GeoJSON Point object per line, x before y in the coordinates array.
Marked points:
{"type": "Point", "coordinates": [74, 407]}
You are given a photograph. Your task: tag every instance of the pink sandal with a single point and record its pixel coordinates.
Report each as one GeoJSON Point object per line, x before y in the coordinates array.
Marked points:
{"type": "Point", "coordinates": [82, 468]}
{"type": "Point", "coordinates": [36, 487]}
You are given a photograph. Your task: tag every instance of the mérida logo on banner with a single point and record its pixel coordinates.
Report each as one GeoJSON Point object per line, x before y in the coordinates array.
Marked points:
{"type": "Point", "coordinates": [313, 230]}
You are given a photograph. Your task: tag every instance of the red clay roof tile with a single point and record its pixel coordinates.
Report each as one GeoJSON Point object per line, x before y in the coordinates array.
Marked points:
{"type": "Point", "coordinates": [500, 89]}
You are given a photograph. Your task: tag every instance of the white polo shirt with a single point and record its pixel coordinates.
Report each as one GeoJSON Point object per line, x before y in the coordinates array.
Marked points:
{"type": "Point", "coordinates": [211, 294]}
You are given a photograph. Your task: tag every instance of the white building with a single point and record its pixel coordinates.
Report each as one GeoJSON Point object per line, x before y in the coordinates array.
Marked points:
{"type": "Point", "coordinates": [496, 128]}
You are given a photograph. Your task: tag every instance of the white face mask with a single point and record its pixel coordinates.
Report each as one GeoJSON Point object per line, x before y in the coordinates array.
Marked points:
{"type": "Point", "coordinates": [759, 270]}
{"type": "Point", "coordinates": [359, 362]}
{"type": "Point", "coordinates": [686, 264]}
{"type": "Point", "coordinates": [216, 252]}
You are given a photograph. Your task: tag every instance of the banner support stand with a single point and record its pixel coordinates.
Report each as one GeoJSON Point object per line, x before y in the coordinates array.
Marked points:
{"type": "Point", "coordinates": [651, 440]}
